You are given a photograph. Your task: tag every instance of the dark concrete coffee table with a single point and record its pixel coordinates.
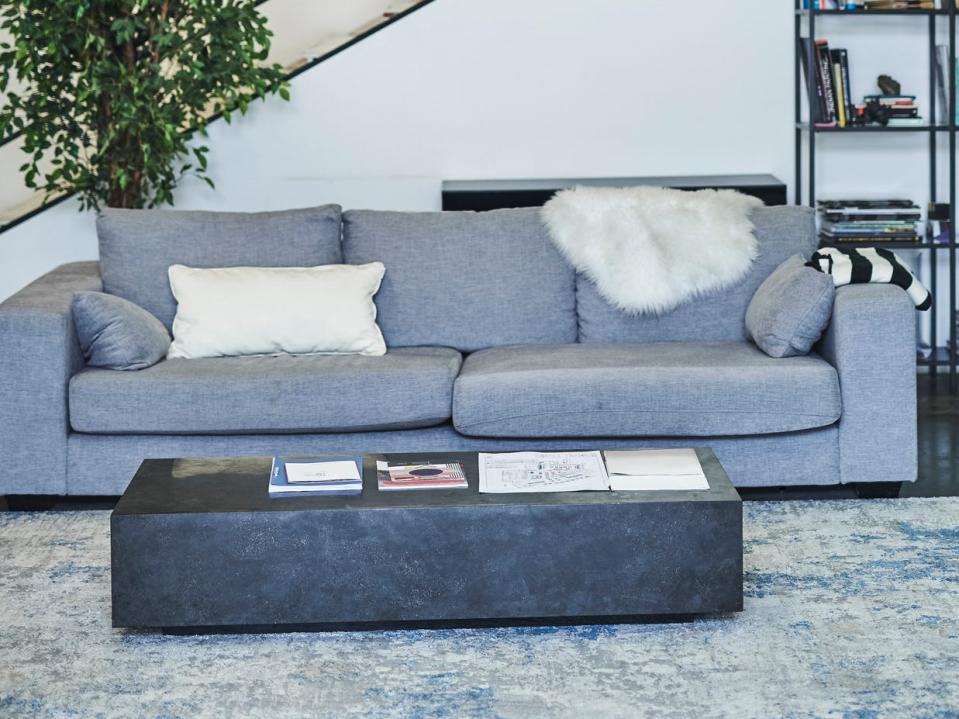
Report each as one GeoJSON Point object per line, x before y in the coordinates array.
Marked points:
{"type": "Point", "coordinates": [199, 544]}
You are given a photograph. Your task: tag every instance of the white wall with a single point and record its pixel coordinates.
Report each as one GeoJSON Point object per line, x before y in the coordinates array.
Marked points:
{"type": "Point", "coordinates": [466, 89]}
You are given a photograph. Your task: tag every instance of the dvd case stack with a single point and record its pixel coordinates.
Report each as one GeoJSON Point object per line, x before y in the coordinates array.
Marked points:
{"type": "Point", "coordinates": [868, 221]}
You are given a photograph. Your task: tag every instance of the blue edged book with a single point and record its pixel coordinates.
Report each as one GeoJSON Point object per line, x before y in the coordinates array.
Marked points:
{"type": "Point", "coordinates": [311, 476]}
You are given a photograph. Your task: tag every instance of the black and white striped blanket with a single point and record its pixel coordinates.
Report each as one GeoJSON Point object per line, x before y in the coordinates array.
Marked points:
{"type": "Point", "coordinates": [870, 264]}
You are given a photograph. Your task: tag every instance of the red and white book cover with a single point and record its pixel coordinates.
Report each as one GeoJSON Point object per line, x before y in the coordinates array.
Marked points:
{"type": "Point", "coordinates": [420, 476]}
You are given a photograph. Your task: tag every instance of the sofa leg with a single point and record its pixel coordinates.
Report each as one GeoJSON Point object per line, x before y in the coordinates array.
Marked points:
{"type": "Point", "coordinates": [877, 490]}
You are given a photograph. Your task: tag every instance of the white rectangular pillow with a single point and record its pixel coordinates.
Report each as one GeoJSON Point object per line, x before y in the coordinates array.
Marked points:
{"type": "Point", "coordinates": [229, 311]}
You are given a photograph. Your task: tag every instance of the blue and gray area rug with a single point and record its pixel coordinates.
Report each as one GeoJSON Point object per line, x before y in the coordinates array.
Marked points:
{"type": "Point", "coordinates": [852, 610]}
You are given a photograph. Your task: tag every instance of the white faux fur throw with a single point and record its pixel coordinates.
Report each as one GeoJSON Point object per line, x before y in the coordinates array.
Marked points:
{"type": "Point", "coordinates": [649, 249]}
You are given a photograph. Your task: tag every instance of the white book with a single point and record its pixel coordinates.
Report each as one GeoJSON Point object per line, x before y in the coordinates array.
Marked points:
{"type": "Point", "coordinates": [335, 471]}
{"type": "Point", "coordinates": [654, 469]}
{"type": "Point", "coordinates": [336, 477]}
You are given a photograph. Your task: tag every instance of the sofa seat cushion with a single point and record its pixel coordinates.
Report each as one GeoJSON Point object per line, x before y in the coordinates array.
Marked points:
{"type": "Point", "coordinates": [407, 387]}
{"type": "Point", "coordinates": [656, 389]}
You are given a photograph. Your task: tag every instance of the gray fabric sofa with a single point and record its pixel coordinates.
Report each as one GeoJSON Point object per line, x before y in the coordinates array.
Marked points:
{"type": "Point", "coordinates": [495, 344]}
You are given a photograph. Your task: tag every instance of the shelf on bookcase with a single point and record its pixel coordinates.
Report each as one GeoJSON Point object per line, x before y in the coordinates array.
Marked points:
{"type": "Point", "coordinates": [804, 126]}
{"type": "Point", "coordinates": [889, 245]}
{"type": "Point", "coordinates": [873, 13]}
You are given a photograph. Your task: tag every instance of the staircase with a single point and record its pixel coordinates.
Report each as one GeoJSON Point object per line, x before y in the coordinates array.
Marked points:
{"type": "Point", "coordinates": [305, 32]}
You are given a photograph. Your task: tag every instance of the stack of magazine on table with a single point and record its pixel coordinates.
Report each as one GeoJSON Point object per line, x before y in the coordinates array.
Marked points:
{"type": "Point", "coordinates": [316, 476]}
{"type": "Point", "coordinates": [424, 475]}
{"type": "Point", "coordinates": [868, 221]}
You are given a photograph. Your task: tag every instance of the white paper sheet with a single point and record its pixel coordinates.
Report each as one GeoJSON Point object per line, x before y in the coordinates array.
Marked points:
{"type": "Point", "coordinates": [542, 472]}
{"type": "Point", "coordinates": [655, 469]}
{"type": "Point", "coordinates": [321, 471]}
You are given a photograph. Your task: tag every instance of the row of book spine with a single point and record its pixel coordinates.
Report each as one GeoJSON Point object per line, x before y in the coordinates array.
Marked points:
{"type": "Point", "coordinates": [860, 5]}
{"type": "Point", "coordinates": [833, 103]}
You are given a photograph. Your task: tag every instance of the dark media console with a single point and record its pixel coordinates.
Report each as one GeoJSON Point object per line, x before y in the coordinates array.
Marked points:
{"type": "Point", "coordinates": [498, 194]}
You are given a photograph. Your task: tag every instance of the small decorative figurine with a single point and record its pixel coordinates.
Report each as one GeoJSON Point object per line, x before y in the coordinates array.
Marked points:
{"type": "Point", "coordinates": [888, 86]}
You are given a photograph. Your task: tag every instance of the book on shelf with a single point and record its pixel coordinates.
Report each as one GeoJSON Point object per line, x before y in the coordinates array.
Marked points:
{"type": "Point", "coordinates": [832, 4]}
{"type": "Point", "coordinates": [873, 204]}
{"type": "Point", "coordinates": [832, 103]}
{"type": "Point", "coordinates": [867, 5]}
{"type": "Point", "coordinates": [940, 231]}
{"type": "Point", "coordinates": [942, 83]}
{"type": "Point", "coordinates": [938, 211]}
{"type": "Point", "coordinates": [326, 476]}
{"type": "Point", "coordinates": [818, 105]}
{"type": "Point", "coordinates": [906, 122]}
{"type": "Point", "coordinates": [841, 58]}
{"type": "Point", "coordinates": [902, 109]}
{"type": "Point", "coordinates": [839, 83]}
{"type": "Point", "coordinates": [900, 4]}
{"type": "Point", "coordinates": [825, 74]}
{"type": "Point", "coordinates": [942, 87]}
{"type": "Point", "coordinates": [868, 241]}
{"type": "Point", "coordinates": [876, 231]}
{"type": "Point", "coordinates": [859, 215]}
{"type": "Point", "coordinates": [939, 223]}
{"type": "Point", "coordinates": [868, 221]}
{"type": "Point", "coordinates": [424, 475]}
{"type": "Point", "coordinates": [898, 105]}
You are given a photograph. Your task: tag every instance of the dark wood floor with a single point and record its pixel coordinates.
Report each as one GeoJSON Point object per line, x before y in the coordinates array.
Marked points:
{"type": "Point", "coordinates": [938, 442]}
{"type": "Point", "coordinates": [938, 461]}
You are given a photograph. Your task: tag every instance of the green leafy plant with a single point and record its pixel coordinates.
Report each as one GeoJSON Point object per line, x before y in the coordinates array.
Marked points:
{"type": "Point", "coordinates": [110, 92]}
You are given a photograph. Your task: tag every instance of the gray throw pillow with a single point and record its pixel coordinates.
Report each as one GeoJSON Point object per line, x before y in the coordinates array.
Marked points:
{"type": "Point", "coordinates": [114, 333]}
{"type": "Point", "coordinates": [790, 309]}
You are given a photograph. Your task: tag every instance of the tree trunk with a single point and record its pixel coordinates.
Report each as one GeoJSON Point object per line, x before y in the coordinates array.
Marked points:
{"type": "Point", "coordinates": [128, 197]}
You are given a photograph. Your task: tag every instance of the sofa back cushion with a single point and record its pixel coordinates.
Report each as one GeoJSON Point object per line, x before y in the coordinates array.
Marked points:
{"type": "Point", "coordinates": [466, 280]}
{"type": "Point", "coordinates": [137, 247]}
{"type": "Point", "coordinates": [718, 317]}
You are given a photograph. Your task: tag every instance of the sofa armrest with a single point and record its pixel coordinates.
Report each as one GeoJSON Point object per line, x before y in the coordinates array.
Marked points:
{"type": "Point", "coordinates": [871, 341]}
{"type": "Point", "coordinates": [39, 353]}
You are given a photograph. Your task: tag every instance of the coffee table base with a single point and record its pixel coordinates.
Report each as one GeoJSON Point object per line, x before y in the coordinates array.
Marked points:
{"type": "Point", "coordinates": [485, 559]}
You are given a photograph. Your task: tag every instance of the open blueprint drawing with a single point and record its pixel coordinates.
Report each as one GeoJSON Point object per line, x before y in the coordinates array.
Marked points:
{"type": "Point", "coordinates": [542, 472]}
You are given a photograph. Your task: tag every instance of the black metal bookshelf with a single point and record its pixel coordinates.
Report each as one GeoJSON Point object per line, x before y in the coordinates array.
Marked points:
{"type": "Point", "coordinates": [942, 357]}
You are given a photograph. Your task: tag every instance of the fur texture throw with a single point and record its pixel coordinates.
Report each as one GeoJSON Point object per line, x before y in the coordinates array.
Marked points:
{"type": "Point", "coordinates": [649, 249]}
